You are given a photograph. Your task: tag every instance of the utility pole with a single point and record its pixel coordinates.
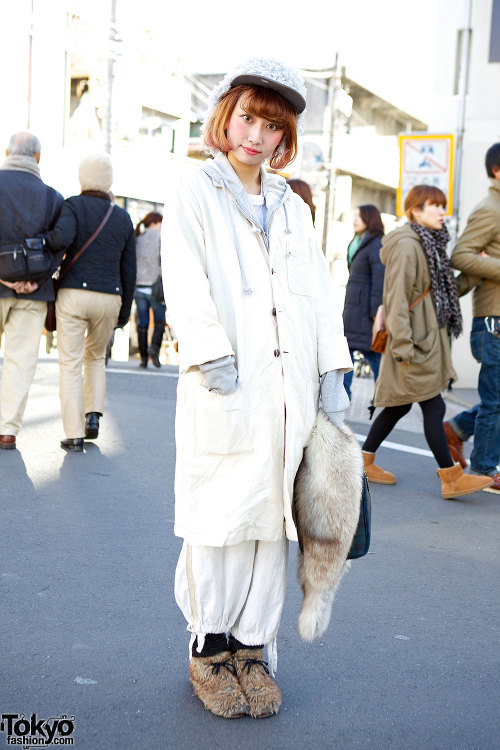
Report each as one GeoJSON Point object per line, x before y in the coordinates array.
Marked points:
{"type": "Point", "coordinates": [330, 185]}
{"type": "Point", "coordinates": [111, 62]}
{"type": "Point", "coordinates": [462, 98]}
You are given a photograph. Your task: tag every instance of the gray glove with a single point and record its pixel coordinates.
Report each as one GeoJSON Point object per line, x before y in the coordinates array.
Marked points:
{"type": "Point", "coordinates": [220, 375]}
{"type": "Point", "coordinates": [334, 399]}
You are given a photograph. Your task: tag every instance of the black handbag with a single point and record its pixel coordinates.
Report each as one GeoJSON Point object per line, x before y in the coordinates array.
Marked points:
{"type": "Point", "coordinates": [25, 260]}
{"type": "Point", "coordinates": [28, 259]}
{"type": "Point", "coordinates": [157, 290]}
{"type": "Point", "coordinates": [361, 541]}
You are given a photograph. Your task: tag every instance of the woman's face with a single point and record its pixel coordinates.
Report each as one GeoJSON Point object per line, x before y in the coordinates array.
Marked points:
{"type": "Point", "coordinates": [358, 224]}
{"type": "Point", "coordinates": [430, 215]}
{"type": "Point", "coordinates": [252, 138]}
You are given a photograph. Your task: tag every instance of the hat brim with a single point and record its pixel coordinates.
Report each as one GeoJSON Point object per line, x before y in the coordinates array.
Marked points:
{"type": "Point", "coordinates": [287, 92]}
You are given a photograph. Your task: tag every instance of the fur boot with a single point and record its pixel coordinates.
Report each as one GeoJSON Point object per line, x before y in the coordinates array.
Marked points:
{"type": "Point", "coordinates": [327, 497]}
{"type": "Point", "coordinates": [261, 691]}
{"type": "Point", "coordinates": [216, 685]}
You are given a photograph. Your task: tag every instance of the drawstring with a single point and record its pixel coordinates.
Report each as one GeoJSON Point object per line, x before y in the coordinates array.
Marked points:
{"type": "Point", "coordinates": [287, 227]}
{"type": "Point", "coordinates": [246, 287]}
{"type": "Point", "coordinates": [272, 655]}
{"type": "Point", "coordinates": [199, 644]}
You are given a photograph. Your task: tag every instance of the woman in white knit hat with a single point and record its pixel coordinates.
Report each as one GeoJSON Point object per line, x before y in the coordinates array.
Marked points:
{"type": "Point", "coordinates": [95, 295]}
{"type": "Point", "coordinates": [260, 331]}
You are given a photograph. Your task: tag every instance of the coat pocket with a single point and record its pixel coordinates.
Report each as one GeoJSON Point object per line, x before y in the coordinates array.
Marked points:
{"type": "Point", "coordinates": [424, 347]}
{"type": "Point", "coordinates": [220, 423]}
{"type": "Point", "coordinates": [298, 268]}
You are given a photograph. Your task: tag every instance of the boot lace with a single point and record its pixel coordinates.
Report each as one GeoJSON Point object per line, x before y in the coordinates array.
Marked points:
{"type": "Point", "coordinates": [226, 664]}
{"type": "Point", "coordinates": [249, 663]}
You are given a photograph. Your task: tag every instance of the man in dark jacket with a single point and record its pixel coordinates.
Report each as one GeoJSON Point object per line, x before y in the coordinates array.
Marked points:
{"type": "Point", "coordinates": [28, 208]}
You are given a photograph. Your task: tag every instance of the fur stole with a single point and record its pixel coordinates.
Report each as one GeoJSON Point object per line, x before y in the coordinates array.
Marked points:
{"type": "Point", "coordinates": [327, 496]}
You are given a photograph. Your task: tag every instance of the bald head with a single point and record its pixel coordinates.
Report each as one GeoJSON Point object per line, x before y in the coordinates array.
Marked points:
{"type": "Point", "coordinates": [24, 144]}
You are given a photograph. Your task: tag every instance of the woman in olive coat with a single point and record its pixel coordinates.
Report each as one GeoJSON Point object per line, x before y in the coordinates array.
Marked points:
{"type": "Point", "coordinates": [422, 312]}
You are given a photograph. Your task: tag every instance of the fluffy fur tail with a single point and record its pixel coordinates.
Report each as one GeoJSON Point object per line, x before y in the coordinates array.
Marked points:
{"type": "Point", "coordinates": [327, 495]}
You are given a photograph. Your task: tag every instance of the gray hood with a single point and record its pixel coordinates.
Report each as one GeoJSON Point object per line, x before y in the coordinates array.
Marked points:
{"type": "Point", "coordinates": [275, 189]}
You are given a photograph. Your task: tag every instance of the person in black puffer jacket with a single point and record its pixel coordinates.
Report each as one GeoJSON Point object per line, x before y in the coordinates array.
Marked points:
{"type": "Point", "coordinates": [95, 295]}
{"type": "Point", "coordinates": [365, 286]}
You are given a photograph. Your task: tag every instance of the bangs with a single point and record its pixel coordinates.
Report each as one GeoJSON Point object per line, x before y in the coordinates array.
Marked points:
{"type": "Point", "coordinates": [267, 104]}
{"type": "Point", "coordinates": [419, 194]}
{"type": "Point", "coordinates": [436, 197]}
{"type": "Point", "coordinates": [259, 102]}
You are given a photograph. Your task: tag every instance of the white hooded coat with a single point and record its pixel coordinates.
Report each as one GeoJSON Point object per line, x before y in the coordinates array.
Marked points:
{"type": "Point", "coordinates": [268, 299]}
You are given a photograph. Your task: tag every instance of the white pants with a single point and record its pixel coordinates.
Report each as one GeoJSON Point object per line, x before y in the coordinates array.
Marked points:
{"type": "Point", "coordinates": [22, 322]}
{"type": "Point", "coordinates": [238, 589]}
{"type": "Point", "coordinates": [85, 322]}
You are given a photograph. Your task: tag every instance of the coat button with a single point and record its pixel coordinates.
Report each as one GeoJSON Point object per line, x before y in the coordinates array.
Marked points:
{"type": "Point", "coordinates": [276, 352]}
{"type": "Point", "coordinates": [84, 283]}
{"type": "Point", "coordinates": [274, 311]}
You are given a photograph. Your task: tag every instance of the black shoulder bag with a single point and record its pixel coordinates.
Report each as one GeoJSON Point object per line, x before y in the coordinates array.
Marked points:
{"type": "Point", "coordinates": [29, 259]}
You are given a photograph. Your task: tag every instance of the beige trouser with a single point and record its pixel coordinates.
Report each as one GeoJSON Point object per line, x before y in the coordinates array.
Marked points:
{"type": "Point", "coordinates": [22, 322]}
{"type": "Point", "coordinates": [79, 311]}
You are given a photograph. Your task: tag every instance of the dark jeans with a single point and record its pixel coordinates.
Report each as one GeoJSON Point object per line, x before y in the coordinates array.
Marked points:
{"type": "Point", "coordinates": [143, 303]}
{"type": "Point", "coordinates": [373, 360]}
{"type": "Point", "coordinates": [483, 420]}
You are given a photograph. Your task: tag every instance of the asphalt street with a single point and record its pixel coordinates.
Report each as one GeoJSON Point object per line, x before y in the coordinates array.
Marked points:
{"type": "Point", "coordinates": [89, 627]}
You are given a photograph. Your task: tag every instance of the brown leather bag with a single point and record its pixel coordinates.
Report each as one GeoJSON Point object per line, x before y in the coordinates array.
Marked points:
{"type": "Point", "coordinates": [380, 334]}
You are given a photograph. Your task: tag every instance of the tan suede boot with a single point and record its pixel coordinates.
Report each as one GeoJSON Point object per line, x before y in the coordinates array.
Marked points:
{"type": "Point", "coordinates": [216, 685]}
{"type": "Point", "coordinates": [261, 691]}
{"type": "Point", "coordinates": [455, 483]}
{"type": "Point", "coordinates": [374, 473]}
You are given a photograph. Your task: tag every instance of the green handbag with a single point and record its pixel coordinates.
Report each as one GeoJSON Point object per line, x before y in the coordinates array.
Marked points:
{"type": "Point", "coordinates": [361, 541]}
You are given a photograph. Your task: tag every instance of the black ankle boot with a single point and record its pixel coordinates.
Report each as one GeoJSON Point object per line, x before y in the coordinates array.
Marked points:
{"type": "Point", "coordinates": [154, 349]}
{"type": "Point", "coordinates": [73, 444]}
{"type": "Point", "coordinates": [142, 337]}
{"type": "Point", "coordinates": [92, 424]}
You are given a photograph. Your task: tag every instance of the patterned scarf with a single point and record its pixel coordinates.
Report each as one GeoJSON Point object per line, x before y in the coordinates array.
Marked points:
{"type": "Point", "coordinates": [443, 285]}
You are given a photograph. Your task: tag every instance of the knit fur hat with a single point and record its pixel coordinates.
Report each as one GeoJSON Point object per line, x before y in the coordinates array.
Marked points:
{"type": "Point", "coordinates": [96, 173]}
{"type": "Point", "coordinates": [265, 72]}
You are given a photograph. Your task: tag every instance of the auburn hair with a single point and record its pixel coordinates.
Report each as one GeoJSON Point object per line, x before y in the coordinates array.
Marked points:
{"type": "Point", "coordinates": [419, 194]}
{"type": "Point", "coordinates": [302, 188]}
{"type": "Point", "coordinates": [152, 218]}
{"type": "Point", "coordinates": [260, 102]}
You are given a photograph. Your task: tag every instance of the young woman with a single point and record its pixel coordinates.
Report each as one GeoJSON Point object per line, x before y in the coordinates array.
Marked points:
{"type": "Point", "coordinates": [147, 234]}
{"type": "Point", "coordinates": [258, 325]}
{"type": "Point", "coordinates": [363, 293]}
{"type": "Point", "coordinates": [422, 312]}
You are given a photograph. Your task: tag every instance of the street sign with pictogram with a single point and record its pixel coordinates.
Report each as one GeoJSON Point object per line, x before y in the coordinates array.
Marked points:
{"type": "Point", "coordinates": [425, 159]}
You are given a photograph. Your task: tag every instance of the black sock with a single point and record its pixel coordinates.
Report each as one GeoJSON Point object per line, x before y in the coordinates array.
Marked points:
{"type": "Point", "coordinates": [214, 644]}
{"type": "Point", "coordinates": [234, 644]}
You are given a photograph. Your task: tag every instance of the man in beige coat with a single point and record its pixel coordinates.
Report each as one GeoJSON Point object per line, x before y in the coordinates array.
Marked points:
{"type": "Point", "coordinates": [477, 254]}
